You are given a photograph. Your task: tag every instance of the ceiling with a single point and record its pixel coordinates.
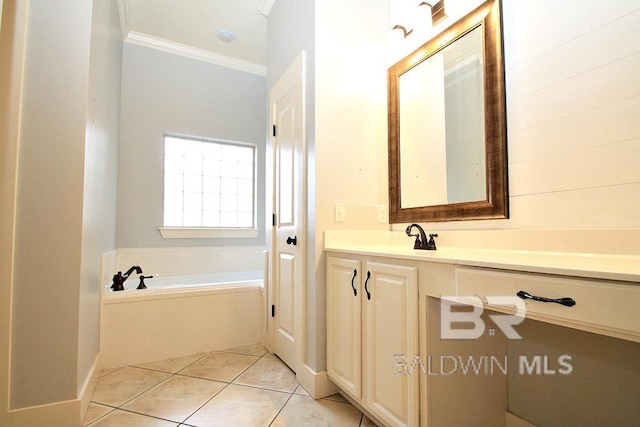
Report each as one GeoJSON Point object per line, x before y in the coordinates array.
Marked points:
{"type": "Point", "coordinates": [191, 26]}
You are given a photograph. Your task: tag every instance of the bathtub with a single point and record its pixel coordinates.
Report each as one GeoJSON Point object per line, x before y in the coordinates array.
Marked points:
{"type": "Point", "coordinates": [180, 315]}
{"type": "Point", "coordinates": [160, 286]}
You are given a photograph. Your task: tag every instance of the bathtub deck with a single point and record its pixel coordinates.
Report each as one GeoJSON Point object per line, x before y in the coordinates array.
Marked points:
{"type": "Point", "coordinates": [238, 386]}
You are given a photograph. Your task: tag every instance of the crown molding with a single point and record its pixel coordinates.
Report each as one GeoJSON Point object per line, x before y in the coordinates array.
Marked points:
{"type": "Point", "coordinates": [265, 6]}
{"type": "Point", "coordinates": [195, 53]}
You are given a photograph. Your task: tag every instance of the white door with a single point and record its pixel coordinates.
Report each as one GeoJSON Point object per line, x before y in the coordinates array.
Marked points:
{"type": "Point", "coordinates": [288, 226]}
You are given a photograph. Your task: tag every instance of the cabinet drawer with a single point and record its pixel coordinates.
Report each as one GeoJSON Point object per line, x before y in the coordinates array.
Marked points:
{"type": "Point", "coordinates": [603, 307]}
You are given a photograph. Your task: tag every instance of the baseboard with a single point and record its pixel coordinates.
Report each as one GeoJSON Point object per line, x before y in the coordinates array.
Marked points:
{"type": "Point", "coordinates": [317, 384]}
{"type": "Point", "coordinates": [68, 413]}
{"type": "Point", "coordinates": [59, 414]}
{"type": "Point", "coordinates": [513, 421]}
{"type": "Point", "coordinates": [86, 392]}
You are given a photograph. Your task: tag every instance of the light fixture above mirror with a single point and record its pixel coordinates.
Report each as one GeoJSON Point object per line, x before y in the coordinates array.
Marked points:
{"type": "Point", "coordinates": [405, 17]}
{"type": "Point", "coordinates": [437, 11]}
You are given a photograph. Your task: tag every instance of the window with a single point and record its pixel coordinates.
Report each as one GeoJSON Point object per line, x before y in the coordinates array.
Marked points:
{"type": "Point", "coordinates": [208, 184]}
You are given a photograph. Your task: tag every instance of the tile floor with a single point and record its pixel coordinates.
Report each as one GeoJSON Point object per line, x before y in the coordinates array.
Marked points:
{"type": "Point", "coordinates": [242, 386]}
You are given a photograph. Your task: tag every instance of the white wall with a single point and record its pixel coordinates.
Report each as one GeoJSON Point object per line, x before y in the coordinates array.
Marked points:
{"type": "Point", "coordinates": [164, 92]}
{"type": "Point", "coordinates": [100, 174]}
{"type": "Point", "coordinates": [573, 98]}
{"type": "Point", "coordinates": [61, 116]}
{"type": "Point", "coordinates": [48, 236]}
{"type": "Point", "coordinates": [12, 51]}
{"type": "Point", "coordinates": [350, 132]}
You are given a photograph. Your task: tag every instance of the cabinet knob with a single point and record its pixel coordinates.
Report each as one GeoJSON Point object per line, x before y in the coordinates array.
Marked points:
{"type": "Point", "coordinates": [292, 240]}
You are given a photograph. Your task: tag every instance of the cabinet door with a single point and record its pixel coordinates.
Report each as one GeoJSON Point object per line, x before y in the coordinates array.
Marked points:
{"type": "Point", "coordinates": [390, 304]}
{"type": "Point", "coordinates": [344, 324]}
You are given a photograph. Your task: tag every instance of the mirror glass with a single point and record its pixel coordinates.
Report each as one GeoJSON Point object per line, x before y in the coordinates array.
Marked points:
{"type": "Point", "coordinates": [447, 125]}
{"type": "Point", "coordinates": [441, 107]}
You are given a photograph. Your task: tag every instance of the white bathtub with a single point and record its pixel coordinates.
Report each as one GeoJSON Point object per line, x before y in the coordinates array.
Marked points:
{"type": "Point", "coordinates": [180, 315]}
{"type": "Point", "coordinates": [160, 285]}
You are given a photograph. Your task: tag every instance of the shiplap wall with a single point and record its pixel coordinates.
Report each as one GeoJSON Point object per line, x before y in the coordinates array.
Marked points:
{"type": "Point", "coordinates": [573, 115]}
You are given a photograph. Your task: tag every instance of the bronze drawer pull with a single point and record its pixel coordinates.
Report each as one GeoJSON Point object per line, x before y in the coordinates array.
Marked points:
{"type": "Point", "coordinates": [569, 302]}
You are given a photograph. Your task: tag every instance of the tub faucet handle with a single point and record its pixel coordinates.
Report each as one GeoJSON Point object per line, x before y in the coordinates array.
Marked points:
{"type": "Point", "coordinates": [142, 285]}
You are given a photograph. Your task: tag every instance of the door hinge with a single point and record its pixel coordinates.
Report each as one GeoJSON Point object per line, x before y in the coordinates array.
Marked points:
{"type": "Point", "coordinates": [274, 130]}
{"type": "Point", "coordinates": [273, 310]}
{"type": "Point", "coordinates": [273, 219]}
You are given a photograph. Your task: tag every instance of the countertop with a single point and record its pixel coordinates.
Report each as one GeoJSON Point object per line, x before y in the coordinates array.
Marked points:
{"type": "Point", "coordinates": [616, 267]}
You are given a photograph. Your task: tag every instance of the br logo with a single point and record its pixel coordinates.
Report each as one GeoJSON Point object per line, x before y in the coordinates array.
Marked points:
{"type": "Point", "coordinates": [505, 322]}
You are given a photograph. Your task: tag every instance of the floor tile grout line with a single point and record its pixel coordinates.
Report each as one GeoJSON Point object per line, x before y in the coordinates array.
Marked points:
{"type": "Point", "coordinates": [141, 393]}
{"type": "Point", "coordinates": [280, 410]}
{"type": "Point", "coordinates": [171, 374]}
{"type": "Point", "coordinates": [180, 370]}
{"type": "Point", "coordinates": [245, 369]}
{"type": "Point", "coordinates": [100, 417]}
{"type": "Point", "coordinates": [223, 388]}
{"type": "Point", "coordinates": [246, 354]}
{"type": "Point", "coordinates": [201, 378]}
{"type": "Point", "coordinates": [205, 403]}
{"type": "Point", "coordinates": [114, 370]}
{"type": "Point", "coordinates": [244, 385]}
{"type": "Point", "coordinates": [195, 361]}
{"type": "Point", "coordinates": [226, 384]}
{"type": "Point", "coordinates": [264, 388]}
{"type": "Point", "coordinates": [150, 388]}
{"type": "Point", "coordinates": [146, 415]}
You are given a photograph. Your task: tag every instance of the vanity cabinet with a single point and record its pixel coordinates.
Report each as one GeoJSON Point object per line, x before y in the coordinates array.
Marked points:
{"type": "Point", "coordinates": [570, 365]}
{"type": "Point", "coordinates": [372, 320]}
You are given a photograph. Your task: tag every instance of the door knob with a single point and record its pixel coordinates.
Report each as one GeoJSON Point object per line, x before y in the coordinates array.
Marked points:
{"type": "Point", "coordinates": [292, 240]}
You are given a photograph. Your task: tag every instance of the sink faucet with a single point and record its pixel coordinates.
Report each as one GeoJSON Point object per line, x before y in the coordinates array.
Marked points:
{"type": "Point", "coordinates": [119, 278]}
{"type": "Point", "coordinates": [421, 238]}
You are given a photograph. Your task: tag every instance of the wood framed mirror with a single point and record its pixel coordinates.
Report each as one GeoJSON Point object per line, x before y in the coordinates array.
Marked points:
{"type": "Point", "coordinates": [447, 125]}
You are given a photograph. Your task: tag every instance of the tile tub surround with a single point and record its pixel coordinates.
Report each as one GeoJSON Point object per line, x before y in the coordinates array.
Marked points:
{"type": "Point", "coordinates": [242, 386]}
